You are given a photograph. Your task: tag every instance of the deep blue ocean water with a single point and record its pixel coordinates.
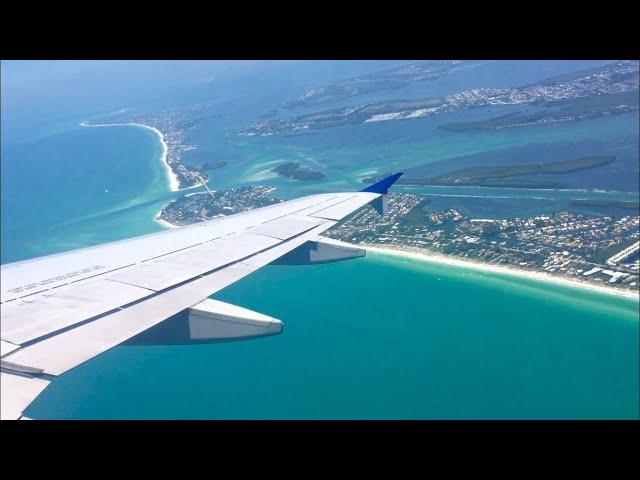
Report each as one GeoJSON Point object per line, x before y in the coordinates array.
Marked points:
{"type": "Point", "coordinates": [379, 337]}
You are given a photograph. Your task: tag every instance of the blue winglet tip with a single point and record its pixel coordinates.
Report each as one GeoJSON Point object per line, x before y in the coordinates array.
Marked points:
{"type": "Point", "coordinates": [383, 185]}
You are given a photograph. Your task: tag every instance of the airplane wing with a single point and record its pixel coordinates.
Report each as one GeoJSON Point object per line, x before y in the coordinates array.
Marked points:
{"type": "Point", "coordinates": [61, 310]}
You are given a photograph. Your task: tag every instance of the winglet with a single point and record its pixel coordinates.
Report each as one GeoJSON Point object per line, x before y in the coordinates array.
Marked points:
{"type": "Point", "coordinates": [383, 185]}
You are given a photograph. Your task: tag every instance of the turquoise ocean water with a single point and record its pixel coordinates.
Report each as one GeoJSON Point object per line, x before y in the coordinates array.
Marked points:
{"type": "Point", "coordinates": [380, 337]}
{"type": "Point", "coordinates": [85, 186]}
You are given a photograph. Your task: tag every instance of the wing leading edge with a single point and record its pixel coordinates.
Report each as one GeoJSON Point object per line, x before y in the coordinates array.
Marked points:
{"type": "Point", "coordinates": [62, 310]}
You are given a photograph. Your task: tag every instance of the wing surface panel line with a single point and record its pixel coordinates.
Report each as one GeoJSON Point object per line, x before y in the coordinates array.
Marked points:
{"type": "Point", "coordinates": [153, 294]}
{"type": "Point", "coordinates": [129, 323]}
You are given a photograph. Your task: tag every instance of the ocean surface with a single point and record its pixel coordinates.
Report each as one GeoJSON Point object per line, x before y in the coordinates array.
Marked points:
{"type": "Point", "coordinates": [82, 187]}
{"type": "Point", "coordinates": [380, 337]}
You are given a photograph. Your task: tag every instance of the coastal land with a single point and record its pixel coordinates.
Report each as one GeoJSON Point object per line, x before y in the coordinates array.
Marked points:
{"type": "Point", "coordinates": [567, 244]}
{"type": "Point", "coordinates": [587, 251]}
{"type": "Point", "coordinates": [296, 171]}
{"type": "Point", "coordinates": [172, 127]}
{"type": "Point", "coordinates": [376, 82]}
{"type": "Point", "coordinates": [202, 206]}
{"type": "Point", "coordinates": [602, 91]}
{"type": "Point", "coordinates": [578, 109]}
{"type": "Point", "coordinates": [501, 176]}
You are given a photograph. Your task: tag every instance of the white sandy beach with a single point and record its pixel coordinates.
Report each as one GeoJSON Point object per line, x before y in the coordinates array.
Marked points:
{"type": "Point", "coordinates": [172, 178]}
{"type": "Point", "coordinates": [164, 223]}
{"type": "Point", "coordinates": [407, 252]}
{"type": "Point", "coordinates": [539, 276]}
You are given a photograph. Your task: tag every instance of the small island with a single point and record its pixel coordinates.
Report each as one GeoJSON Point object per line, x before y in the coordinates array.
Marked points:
{"type": "Point", "coordinates": [386, 80]}
{"type": "Point", "coordinates": [213, 165]}
{"type": "Point", "coordinates": [297, 172]}
{"type": "Point", "coordinates": [501, 176]}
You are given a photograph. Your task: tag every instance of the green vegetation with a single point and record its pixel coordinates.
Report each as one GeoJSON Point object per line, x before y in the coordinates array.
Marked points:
{"type": "Point", "coordinates": [480, 173]}
{"type": "Point", "coordinates": [213, 165]}
{"type": "Point", "coordinates": [576, 164]}
{"type": "Point", "coordinates": [357, 115]}
{"type": "Point", "coordinates": [382, 81]}
{"type": "Point", "coordinates": [626, 204]}
{"type": "Point", "coordinates": [336, 92]}
{"type": "Point", "coordinates": [581, 74]}
{"type": "Point", "coordinates": [603, 103]}
{"type": "Point", "coordinates": [578, 108]}
{"type": "Point", "coordinates": [604, 90]}
{"type": "Point", "coordinates": [502, 121]}
{"type": "Point", "coordinates": [568, 77]}
{"type": "Point", "coordinates": [517, 183]}
{"type": "Point", "coordinates": [499, 176]}
{"type": "Point", "coordinates": [417, 216]}
{"type": "Point", "coordinates": [601, 256]}
{"type": "Point", "coordinates": [296, 171]}
{"type": "Point", "coordinates": [493, 183]}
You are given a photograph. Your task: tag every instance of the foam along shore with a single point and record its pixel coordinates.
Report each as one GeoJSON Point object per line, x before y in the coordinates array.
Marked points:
{"type": "Point", "coordinates": [174, 184]}
{"type": "Point", "coordinates": [487, 267]}
{"type": "Point", "coordinates": [162, 222]}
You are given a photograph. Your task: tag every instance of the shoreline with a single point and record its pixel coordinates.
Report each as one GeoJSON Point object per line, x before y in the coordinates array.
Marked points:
{"type": "Point", "coordinates": [406, 252]}
{"type": "Point", "coordinates": [166, 225]}
{"type": "Point", "coordinates": [426, 256]}
{"type": "Point", "coordinates": [172, 178]}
